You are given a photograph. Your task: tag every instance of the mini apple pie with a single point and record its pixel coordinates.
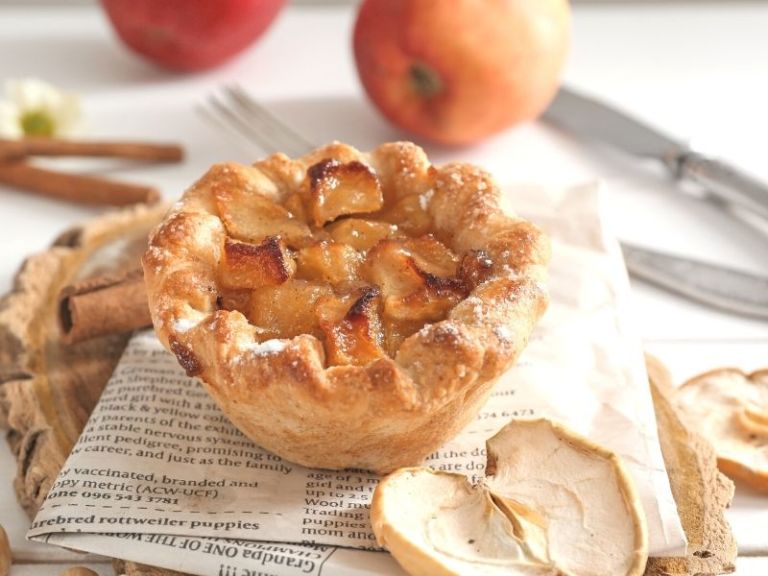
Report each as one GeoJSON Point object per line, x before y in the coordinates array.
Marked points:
{"type": "Point", "coordinates": [346, 309]}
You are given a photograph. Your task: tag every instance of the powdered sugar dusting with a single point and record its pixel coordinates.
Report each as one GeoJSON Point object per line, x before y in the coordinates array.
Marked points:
{"type": "Point", "coordinates": [503, 333]}
{"type": "Point", "coordinates": [426, 198]}
{"type": "Point", "coordinates": [184, 324]}
{"type": "Point", "coordinates": [266, 348]}
{"type": "Point", "coordinates": [509, 272]}
{"type": "Point", "coordinates": [476, 308]}
{"type": "Point", "coordinates": [440, 332]}
{"type": "Point", "coordinates": [260, 349]}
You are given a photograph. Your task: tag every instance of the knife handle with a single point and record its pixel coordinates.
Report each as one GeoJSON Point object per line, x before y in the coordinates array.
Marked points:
{"type": "Point", "coordinates": [724, 181]}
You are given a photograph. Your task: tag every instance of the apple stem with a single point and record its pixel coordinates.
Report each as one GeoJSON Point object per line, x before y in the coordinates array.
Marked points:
{"type": "Point", "coordinates": [425, 80]}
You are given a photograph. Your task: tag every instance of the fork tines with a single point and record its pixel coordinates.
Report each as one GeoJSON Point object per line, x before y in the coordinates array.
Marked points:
{"type": "Point", "coordinates": [234, 109]}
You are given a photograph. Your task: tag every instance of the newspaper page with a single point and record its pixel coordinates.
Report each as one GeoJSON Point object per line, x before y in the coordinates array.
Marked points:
{"type": "Point", "coordinates": [159, 474]}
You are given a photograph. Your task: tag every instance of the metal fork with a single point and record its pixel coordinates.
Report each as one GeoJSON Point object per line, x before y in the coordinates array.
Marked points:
{"type": "Point", "coordinates": [235, 110]}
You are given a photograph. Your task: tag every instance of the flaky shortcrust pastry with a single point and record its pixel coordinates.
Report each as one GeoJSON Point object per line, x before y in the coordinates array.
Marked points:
{"type": "Point", "coordinates": [346, 309]}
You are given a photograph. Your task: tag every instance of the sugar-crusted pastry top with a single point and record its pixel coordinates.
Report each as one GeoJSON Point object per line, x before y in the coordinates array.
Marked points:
{"type": "Point", "coordinates": [372, 282]}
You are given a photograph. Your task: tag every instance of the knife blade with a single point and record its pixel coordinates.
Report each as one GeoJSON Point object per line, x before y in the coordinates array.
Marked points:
{"type": "Point", "coordinates": [718, 286]}
{"type": "Point", "coordinates": [594, 120]}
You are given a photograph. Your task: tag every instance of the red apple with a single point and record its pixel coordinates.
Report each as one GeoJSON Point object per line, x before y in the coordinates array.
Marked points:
{"type": "Point", "coordinates": [455, 71]}
{"type": "Point", "coordinates": [190, 35]}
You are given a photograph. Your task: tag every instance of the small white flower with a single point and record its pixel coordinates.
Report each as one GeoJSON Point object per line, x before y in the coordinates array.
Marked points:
{"type": "Point", "coordinates": [35, 108]}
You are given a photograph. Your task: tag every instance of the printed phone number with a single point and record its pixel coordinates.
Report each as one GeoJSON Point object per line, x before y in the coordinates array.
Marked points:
{"type": "Point", "coordinates": [104, 496]}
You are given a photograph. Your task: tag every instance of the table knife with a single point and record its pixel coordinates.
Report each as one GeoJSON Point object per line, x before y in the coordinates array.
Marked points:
{"type": "Point", "coordinates": [594, 120]}
{"type": "Point", "coordinates": [725, 288]}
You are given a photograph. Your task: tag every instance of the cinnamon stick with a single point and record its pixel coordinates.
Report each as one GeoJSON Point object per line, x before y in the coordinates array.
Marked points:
{"type": "Point", "coordinates": [31, 146]}
{"type": "Point", "coordinates": [103, 305]}
{"type": "Point", "coordinates": [75, 187]}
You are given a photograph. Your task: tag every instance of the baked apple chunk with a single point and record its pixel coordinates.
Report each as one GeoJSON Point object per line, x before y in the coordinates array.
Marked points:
{"type": "Point", "coordinates": [252, 217]}
{"type": "Point", "coordinates": [286, 310]}
{"type": "Point", "coordinates": [245, 265]}
{"type": "Point", "coordinates": [329, 262]}
{"type": "Point", "coordinates": [337, 189]}
{"type": "Point", "coordinates": [392, 267]}
{"type": "Point", "coordinates": [362, 235]}
{"type": "Point", "coordinates": [346, 309]}
{"type": "Point", "coordinates": [352, 327]}
{"type": "Point", "coordinates": [410, 213]}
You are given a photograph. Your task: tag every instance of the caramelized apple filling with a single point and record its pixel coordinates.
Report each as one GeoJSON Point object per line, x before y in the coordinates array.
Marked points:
{"type": "Point", "coordinates": [333, 261]}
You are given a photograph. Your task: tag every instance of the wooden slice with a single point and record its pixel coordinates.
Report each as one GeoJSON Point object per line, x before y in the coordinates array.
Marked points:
{"type": "Point", "coordinates": [48, 389]}
{"type": "Point", "coordinates": [127, 568]}
{"type": "Point", "coordinates": [701, 492]}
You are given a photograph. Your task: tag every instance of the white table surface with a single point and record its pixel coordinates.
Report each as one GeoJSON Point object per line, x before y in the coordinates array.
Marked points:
{"type": "Point", "coordinates": [701, 71]}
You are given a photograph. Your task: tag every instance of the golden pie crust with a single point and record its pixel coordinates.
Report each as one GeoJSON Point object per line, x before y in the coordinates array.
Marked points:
{"type": "Point", "coordinates": [346, 309]}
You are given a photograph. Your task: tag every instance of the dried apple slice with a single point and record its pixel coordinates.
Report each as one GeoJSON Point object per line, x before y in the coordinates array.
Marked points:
{"type": "Point", "coordinates": [286, 310]}
{"type": "Point", "coordinates": [330, 262]}
{"type": "Point", "coordinates": [437, 523]}
{"type": "Point", "coordinates": [754, 420]}
{"type": "Point", "coordinates": [245, 265]}
{"type": "Point", "coordinates": [251, 217]}
{"type": "Point", "coordinates": [578, 493]}
{"type": "Point", "coordinates": [351, 327]}
{"type": "Point", "coordinates": [553, 503]}
{"type": "Point", "coordinates": [337, 189]}
{"type": "Point", "coordinates": [730, 409]}
{"type": "Point", "coordinates": [360, 234]}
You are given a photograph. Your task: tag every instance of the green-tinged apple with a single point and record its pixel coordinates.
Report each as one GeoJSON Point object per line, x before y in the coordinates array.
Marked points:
{"type": "Point", "coordinates": [456, 71]}
{"type": "Point", "coordinates": [190, 35]}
